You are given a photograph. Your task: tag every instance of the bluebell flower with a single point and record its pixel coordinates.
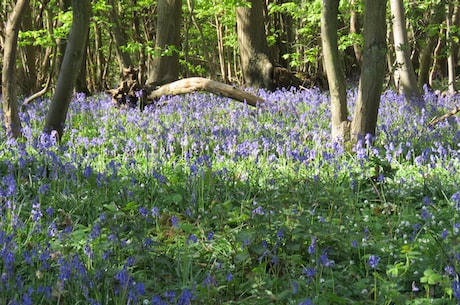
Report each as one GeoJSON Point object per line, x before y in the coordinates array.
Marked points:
{"type": "Point", "coordinates": [50, 211]}
{"type": "Point", "coordinates": [87, 250]}
{"type": "Point", "coordinates": [174, 221]}
{"type": "Point", "coordinates": [229, 277]}
{"type": "Point", "coordinates": [52, 230]}
{"type": "Point", "coordinates": [9, 186]}
{"type": "Point", "coordinates": [130, 261]}
{"type": "Point", "coordinates": [185, 298]}
{"type": "Point", "coordinates": [143, 211]}
{"type": "Point", "coordinates": [373, 261]}
{"type": "Point", "coordinates": [106, 254]}
{"type": "Point", "coordinates": [325, 261]}
{"type": "Point", "coordinates": [148, 242]}
{"type": "Point", "coordinates": [456, 288]}
{"type": "Point", "coordinates": [156, 300]}
{"type": "Point", "coordinates": [36, 212]}
{"type": "Point", "coordinates": [26, 299]}
{"type": "Point", "coordinates": [209, 281]}
{"type": "Point", "coordinates": [123, 278]}
{"type": "Point", "coordinates": [258, 211]}
{"type": "Point", "coordinates": [102, 217]}
{"type": "Point", "coordinates": [449, 270]}
{"type": "Point", "coordinates": [95, 232]}
{"type": "Point", "coordinates": [312, 246]}
{"type": "Point", "coordinates": [140, 288]}
{"type": "Point", "coordinates": [306, 302]}
{"type": "Point", "coordinates": [456, 200]}
{"type": "Point", "coordinates": [188, 213]}
{"type": "Point", "coordinates": [280, 234]}
{"type": "Point", "coordinates": [44, 189]}
{"type": "Point", "coordinates": [444, 233]}
{"type": "Point", "coordinates": [87, 172]}
{"type": "Point", "coordinates": [171, 295]}
{"type": "Point", "coordinates": [309, 272]}
{"type": "Point", "coordinates": [192, 238]}
{"type": "Point", "coordinates": [155, 212]}
{"type": "Point", "coordinates": [210, 235]}
{"type": "Point", "coordinates": [295, 287]}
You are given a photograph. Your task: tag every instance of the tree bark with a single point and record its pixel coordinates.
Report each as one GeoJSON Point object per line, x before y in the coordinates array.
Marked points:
{"type": "Point", "coordinates": [9, 79]}
{"type": "Point", "coordinates": [28, 74]}
{"type": "Point", "coordinates": [70, 67]}
{"type": "Point", "coordinates": [165, 67]}
{"type": "Point", "coordinates": [372, 71]}
{"type": "Point", "coordinates": [450, 52]}
{"type": "Point", "coordinates": [425, 61]}
{"type": "Point", "coordinates": [124, 58]}
{"type": "Point", "coordinates": [61, 43]}
{"type": "Point", "coordinates": [334, 71]}
{"type": "Point", "coordinates": [192, 84]}
{"type": "Point", "coordinates": [355, 30]}
{"type": "Point", "coordinates": [252, 42]}
{"type": "Point", "coordinates": [405, 79]}
{"type": "Point", "coordinates": [81, 85]}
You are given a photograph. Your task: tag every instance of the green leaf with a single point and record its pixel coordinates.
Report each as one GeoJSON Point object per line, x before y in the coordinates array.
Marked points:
{"type": "Point", "coordinates": [431, 277]}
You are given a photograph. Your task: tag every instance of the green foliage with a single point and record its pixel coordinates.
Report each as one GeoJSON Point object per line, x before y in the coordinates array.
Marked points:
{"type": "Point", "coordinates": [231, 204]}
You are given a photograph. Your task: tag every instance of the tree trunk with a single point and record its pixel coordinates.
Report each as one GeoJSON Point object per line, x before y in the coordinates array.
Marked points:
{"type": "Point", "coordinates": [70, 67]}
{"type": "Point", "coordinates": [124, 58]}
{"type": "Point", "coordinates": [332, 63]}
{"type": "Point", "coordinates": [81, 85]}
{"type": "Point", "coordinates": [372, 71]}
{"type": "Point", "coordinates": [28, 74]}
{"type": "Point", "coordinates": [425, 60]}
{"type": "Point", "coordinates": [64, 6]}
{"type": "Point", "coordinates": [9, 84]}
{"type": "Point", "coordinates": [221, 48]}
{"type": "Point", "coordinates": [404, 72]}
{"type": "Point", "coordinates": [165, 67]}
{"type": "Point", "coordinates": [100, 60]}
{"type": "Point", "coordinates": [450, 52]}
{"type": "Point", "coordinates": [252, 42]}
{"type": "Point", "coordinates": [355, 29]}
{"type": "Point", "coordinates": [192, 84]}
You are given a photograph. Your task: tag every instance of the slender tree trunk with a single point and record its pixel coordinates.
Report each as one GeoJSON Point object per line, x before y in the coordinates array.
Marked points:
{"type": "Point", "coordinates": [355, 29]}
{"type": "Point", "coordinates": [9, 79]}
{"type": "Point", "coordinates": [334, 71]}
{"type": "Point", "coordinates": [450, 43]}
{"type": "Point", "coordinates": [436, 70]}
{"type": "Point", "coordinates": [99, 82]}
{"type": "Point", "coordinates": [70, 67]}
{"type": "Point", "coordinates": [64, 6]}
{"type": "Point", "coordinates": [425, 60]}
{"type": "Point", "coordinates": [372, 71]}
{"type": "Point", "coordinates": [124, 58]}
{"type": "Point", "coordinates": [221, 49]}
{"type": "Point", "coordinates": [165, 67]}
{"type": "Point", "coordinates": [209, 62]}
{"type": "Point", "coordinates": [252, 42]}
{"type": "Point", "coordinates": [28, 74]}
{"type": "Point", "coordinates": [404, 72]}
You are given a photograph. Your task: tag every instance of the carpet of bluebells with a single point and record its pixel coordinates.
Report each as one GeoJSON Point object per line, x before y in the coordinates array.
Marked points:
{"type": "Point", "coordinates": [204, 200]}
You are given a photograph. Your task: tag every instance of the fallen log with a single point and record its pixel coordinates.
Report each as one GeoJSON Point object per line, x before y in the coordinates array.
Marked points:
{"type": "Point", "coordinates": [192, 84]}
{"type": "Point", "coordinates": [436, 120]}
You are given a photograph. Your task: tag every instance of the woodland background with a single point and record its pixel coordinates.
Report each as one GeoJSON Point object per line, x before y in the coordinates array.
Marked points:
{"type": "Point", "coordinates": [123, 33]}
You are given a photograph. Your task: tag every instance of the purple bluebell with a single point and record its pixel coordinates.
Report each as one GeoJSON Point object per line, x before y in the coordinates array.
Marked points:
{"type": "Point", "coordinates": [373, 261]}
